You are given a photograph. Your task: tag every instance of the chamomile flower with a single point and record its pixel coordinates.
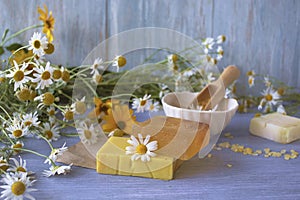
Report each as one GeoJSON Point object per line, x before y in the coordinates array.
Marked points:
{"type": "Point", "coordinates": [280, 109]}
{"type": "Point", "coordinates": [220, 52]}
{"type": "Point", "coordinates": [65, 75]}
{"type": "Point", "coordinates": [97, 78]}
{"type": "Point", "coordinates": [43, 76]}
{"type": "Point", "coordinates": [56, 152]}
{"type": "Point", "coordinates": [17, 186]}
{"type": "Point", "coordinates": [87, 133]}
{"type": "Point", "coordinates": [79, 106]}
{"type": "Point", "coordinates": [141, 149]}
{"type": "Point", "coordinates": [189, 73]}
{"type": "Point", "coordinates": [208, 44]}
{"type": "Point", "coordinates": [251, 73]}
{"type": "Point", "coordinates": [19, 75]}
{"type": "Point", "coordinates": [47, 99]}
{"type": "Point", "coordinates": [38, 44]}
{"type": "Point", "coordinates": [50, 132]}
{"type": "Point", "coordinates": [270, 99]}
{"type": "Point", "coordinates": [17, 130]}
{"type": "Point", "coordinates": [267, 81]}
{"type": "Point", "coordinates": [51, 111]}
{"type": "Point", "coordinates": [15, 147]}
{"type": "Point", "coordinates": [30, 119]}
{"type": "Point", "coordinates": [140, 104]}
{"type": "Point", "coordinates": [3, 164]}
{"type": "Point", "coordinates": [153, 106]}
{"type": "Point", "coordinates": [19, 166]}
{"type": "Point", "coordinates": [57, 170]}
{"type": "Point", "coordinates": [119, 61]}
{"type": "Point", "coordinates": [251, 80]}
{"type": "Point", "coordinates": [98, 65]}
{"type": "Point", "coordinates": [164, 89]}
{"type": "Point", "coordinates": [221, 39]}
{"type": "Point", "coordinates": [68, 114]}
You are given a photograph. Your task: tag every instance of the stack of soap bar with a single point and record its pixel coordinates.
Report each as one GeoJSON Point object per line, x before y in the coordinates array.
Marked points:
{"type": "Point", "coordinates": [277, 127]}
{"type": "Point", "coordinates": [112, 159]}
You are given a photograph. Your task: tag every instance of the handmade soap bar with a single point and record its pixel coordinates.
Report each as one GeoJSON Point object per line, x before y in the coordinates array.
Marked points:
{"type": "Point", "coordinates": [112, 159]}
{"type": "Point", "coordinates": [277, 127]}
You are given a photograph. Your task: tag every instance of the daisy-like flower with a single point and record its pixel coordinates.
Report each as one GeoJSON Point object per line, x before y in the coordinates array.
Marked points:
{"type": "Point", "coordinates": [87, 133]}
{"type": "Point", "coordinates": [17, 186]}
{"type": "Point", "coordinates": [251, 73]}
{"type": "Point", "coordinates": [65, 75]}
{"type": "Point", "coordinates": [30, 119]}
{"type": "Point", "coordinates": [164, 89]}
{"type": "Point", "coordinates": [18, 145]}
{"type": "Point", "coordinates": [18, 130]}
{"type": "Point", "coordinates": [220, 52]}
{"type": "Point", "coordinates": [47, 99]}
{"type": "Point", "coordinates": [3, 164]}
{"type": "Point", "coordinates": [19, 167]}
{"type": "Point", "coordinates": [98, 65]}
{"type": "Point", "coordinates": [51, 111]}
{"type": "Point", "coordinates": [48, 22]}
{"type": "Point", "coordinates": [97, 78]}
{"type": "Point", "coordinates": [189, 73]}
{"type": "Point", "coordinates": [208, 44]}
{"type": "Point", "coordinates": [270, 99]}
{"type": "Point", "coordinates": [172, 58]}
{"type": "Point", "coordinates": [56, 152]}
{"type": "Point", "coordinates": [141, 149]}
{"type": "Point", "coordinates": [119, 61]}
{"type": "Point", "coordinates": [280, 109]}
{"type": "Point", "coordinates": [140, 104]}
{"type": "Point", "coordinates": [43, 76]}
{"type": "Point", "coordinates": [38, 44]}
{"type": "Point", "coordinates": [79, 106]}
{"type": "Point", "coordinates": [251, 80]}
{"type": "Point", "coordinates": [153, 106]}
{"type": "Point", "coordinates": [19, 75]}
{"type": "Point", "coordinates": [267, 81]}
{"type": "Point", "coordinates": [50, 132]}
{"type": "Point", "coordinates": [57, 170]}
{"type": "Point", "coordinates": [68, 114]}
{"type": "Point", "coordinates": [221, 39]}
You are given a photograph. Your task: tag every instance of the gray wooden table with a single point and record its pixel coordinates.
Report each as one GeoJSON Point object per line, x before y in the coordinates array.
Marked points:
{"type": "Point", "coordinates": [250, 177]}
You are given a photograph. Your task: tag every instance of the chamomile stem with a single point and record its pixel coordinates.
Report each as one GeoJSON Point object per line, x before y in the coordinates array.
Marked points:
{"type": "Point", "coordinates": [6, 112]}
{"type": "Point", "coordinates": [19, 32]}
{"type": "Point", "coordinates": [35, 153]}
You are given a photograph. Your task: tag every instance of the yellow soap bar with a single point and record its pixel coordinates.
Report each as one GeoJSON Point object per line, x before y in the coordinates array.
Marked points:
{"type": "Point", "coordinates": [112, 159]}
{"type": "Point", "coordinates": [277, 127]}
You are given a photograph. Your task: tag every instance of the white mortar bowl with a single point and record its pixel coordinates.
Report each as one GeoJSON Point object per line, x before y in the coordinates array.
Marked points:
{"type": "Point", "coordinates": [175, 105]}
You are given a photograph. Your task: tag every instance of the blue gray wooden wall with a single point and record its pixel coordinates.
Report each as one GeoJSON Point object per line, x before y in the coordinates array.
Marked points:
{"type": "Point", "coordinates": [262, 35]}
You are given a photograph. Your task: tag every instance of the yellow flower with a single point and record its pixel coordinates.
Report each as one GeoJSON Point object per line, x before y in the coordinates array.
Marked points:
{"type": "Point", "coordinates": [48, 22]}
{"type": "Point", "coordinates": [120, 117]}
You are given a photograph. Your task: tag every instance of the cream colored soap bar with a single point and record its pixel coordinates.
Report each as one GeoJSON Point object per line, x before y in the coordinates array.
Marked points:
{"type": "Point", "coordinates": [111, 159]}
{"type": "Point", "coordinates": [277, 127]}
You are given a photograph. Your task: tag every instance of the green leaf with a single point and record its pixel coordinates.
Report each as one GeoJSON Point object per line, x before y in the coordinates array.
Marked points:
{"type": "Point", "coordinates": [4, 34]}
{"type": "Point", "coordinates": [1, 50]}
{"type": "Point", "coordinates": [14, 47]}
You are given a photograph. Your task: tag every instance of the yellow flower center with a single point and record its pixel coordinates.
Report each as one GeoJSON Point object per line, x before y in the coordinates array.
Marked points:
{"type": "Point", "coordinates": [18, 188]}
{"type": "Point", "coordinates": [65, 76]}
{"type": "Point", "coordinates": [21, 169]}
{"type": "Point", "coordinates": [17, 146]}
{"type": "Point", "coordinates": [98, 78]}
{"type": "Point", "coordinates": [250, 81]}
{"type": "Point", "coordinates": [48, 98]}
{"type": "Point", "coordinates": [2, 79]}
{"type": "Point", "coordinates": [23, 94]}
{"type": "Point", "coordinates": [250, 73]}
{"type": "Point", "coordinates": [280, 91]}
{"type": "Point", "coordinates": [174, 57]}
{"type": "Point", "coordinates": [143, 102]}
{"type": "Point", "coordinates": [19, 75]}
{"type": "Point", "coordinates": [48, 134]}
{"type": "Point", "coordinates": [121, 61]}
{"type": "Point", "coordinates": [56, 74]}
{"type": "Point", "coordinates": [80, 107]}
{"type": "Point", "coordinates": [141, 149]}
{"type": "Point", "coordinates": [45, 75]}
{"type": "Point", "coordinates": [69, 115]}
{"type": "Point", "coordinates": [175, 67]}
{"type": "Point", "coordinates": [121, 125]}
{"type": "Point", "coordinates": [52, 112]}
{"type": "Point", "coordinates": [4, 166]}
{"type": "Point", "coordinates": [87, 134]}
{"type": "Point", "coordinates": [32, 95]}
{"type": "Point", "coordinates": [37, 44]}
{"type": "Point", "coordinates": [50, 48]}
{"type": "Point", "coordinates": [27, 123]}
{"type": "Point", "coordinates": [269, 97]}
{"type": "Point", "coordinates": [17, 133]}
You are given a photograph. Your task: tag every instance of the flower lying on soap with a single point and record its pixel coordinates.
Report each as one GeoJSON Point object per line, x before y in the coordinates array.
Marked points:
{"type": "Point", "coordinates": [141, 149]}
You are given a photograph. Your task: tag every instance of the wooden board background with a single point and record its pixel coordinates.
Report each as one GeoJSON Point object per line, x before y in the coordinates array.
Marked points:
{"type": "Point", "coordinates": [262, 35]}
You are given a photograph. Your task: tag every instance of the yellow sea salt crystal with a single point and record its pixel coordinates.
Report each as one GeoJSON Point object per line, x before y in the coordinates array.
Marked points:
{"type": "Point", "coordinates": [247, 151]}
{"type": "Point", "coordinates": [275, 154]}
{"type": "Point", "coordinates": [287, 156]}
{"type": "Point", "coordinates": [258, 151]}
{"type": "Point", "coordinates": [229, 165]}
{"type": "Point", "coordinates": [237, 148]}
{"type": "Point", "coordinates": [283, 151]}
{"type": "Point", "coordinates": [267, 150]}
{"type": "Point", "coordinates": [228, 135]}
{"type": "Point", "coordinates": [224, 145]}
{"type": "Point", "coordinates": [294, 152]}
{"type": "Point", "coordinates": [209, 155]}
